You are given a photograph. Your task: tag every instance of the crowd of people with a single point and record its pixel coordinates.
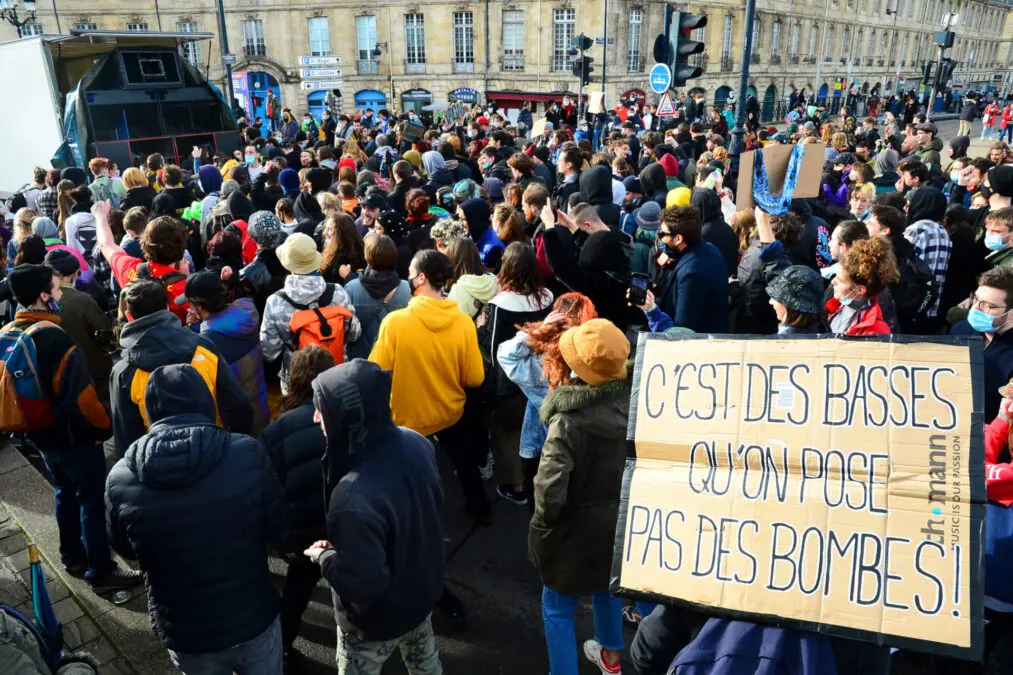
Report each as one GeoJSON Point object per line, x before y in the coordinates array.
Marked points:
{"type": "Point", "coordinates": [274, 343]}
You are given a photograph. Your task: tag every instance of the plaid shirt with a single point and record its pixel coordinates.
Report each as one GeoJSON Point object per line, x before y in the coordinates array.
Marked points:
{"type": "Point", "coordinates": [103, 275]}
{"type": "Point", "coordinates": [932, 244]}
{"type": "Point", "coordinates": [47, 203]}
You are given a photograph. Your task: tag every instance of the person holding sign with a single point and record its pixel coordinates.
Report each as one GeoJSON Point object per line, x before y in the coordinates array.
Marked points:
{"type": "Point", "coordinates": [867, 267]}
{"type": "Point", "coordinates": [571, 533]}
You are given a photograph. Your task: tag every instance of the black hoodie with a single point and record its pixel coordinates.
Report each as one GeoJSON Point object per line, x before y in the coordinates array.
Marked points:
{"type": "Point", "coordinates": [715, 229]}
{"type": "Point", "coordinates": [385, 507]}
{"type": "Point", "coordinates": [159, 340]}
{"type": "Point", "coordinates": [596, 190]}
{"type": "Point", "coordinates": [655, 183]}
{"type": "Point", "coordinates": [198, 507]}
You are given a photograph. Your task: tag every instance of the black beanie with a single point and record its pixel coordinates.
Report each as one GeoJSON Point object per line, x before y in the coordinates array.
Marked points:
{"type": "Point", "coordinates": [28, 282]}
{"type": "Point", "coordinates": [63, 261]}
{"type": "Point", "coordinates": [74, 174]}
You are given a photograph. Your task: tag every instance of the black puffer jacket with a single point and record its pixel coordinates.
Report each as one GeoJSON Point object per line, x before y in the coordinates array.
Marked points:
{"type": "Point", "coordinates": [385, 510]}
{"type": "Point", "coordinates": [199, 507]}
{"type": "Point", "coordinates": [296, 447]}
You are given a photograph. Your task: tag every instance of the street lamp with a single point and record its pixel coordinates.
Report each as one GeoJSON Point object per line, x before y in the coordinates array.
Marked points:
{"type": "Point", "coordinates": [375, 53]}
{"type": "Point", "coordinates": [9, 13]}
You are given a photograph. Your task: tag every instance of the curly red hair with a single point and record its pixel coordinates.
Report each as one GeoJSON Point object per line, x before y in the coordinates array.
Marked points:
{"type": "Point", "coordinates": [543, 336]}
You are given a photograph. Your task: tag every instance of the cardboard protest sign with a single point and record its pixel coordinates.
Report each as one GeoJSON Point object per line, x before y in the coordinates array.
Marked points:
{"type": "Point", "coordinates": [775, 161]}
{"type": "Point", "coordinates": [834, 485]}
{"type": "Point", "coordinates": [596, 102]}
{"type": "Point", "coordinates": [538, 127]}
{"type": "Point", "coordinates": [412, 132]}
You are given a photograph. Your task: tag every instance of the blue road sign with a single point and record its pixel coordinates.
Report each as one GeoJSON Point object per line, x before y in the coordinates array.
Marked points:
{"type": "Point", "coordinates": [661, 78]}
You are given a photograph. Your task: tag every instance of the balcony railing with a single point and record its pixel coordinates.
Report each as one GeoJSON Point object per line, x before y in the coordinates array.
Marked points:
{"type": "Point", "coordinates": [880, 62]}
{"type": "Point", "coordinates": [726, 64]}
{"type": "Point", "coordinates": [754, 57]}
{"type": "Point", "coordinates": [793, 58]}
{"type": "Point", "coordinates": [513, 62]}
{"type": "Point", "coordinates": [810, 59]}
{"type": "Point", "coordinates": [257, 48]}
{"type": "Point", "coordinates": [775, 59]}
{"type": "Point", "coordinates": [368, 67]}
{"type": "Point", "coordinates": [414, 67]}
{"type": "Point", "coordinates": [892, 62]}
{"type": "Point", "coordinates": [868, 61]}
{"type": "Point", "coordinates": [637, 63]}
{"type": "Point", "coordinates": [464, 66]}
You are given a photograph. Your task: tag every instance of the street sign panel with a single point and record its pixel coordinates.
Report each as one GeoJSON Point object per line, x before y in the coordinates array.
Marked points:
{"type": "Point", "coordinates": [313, 73]}
{"type": "Point", "coordinates": [661, 78]}
{"type": "Point", "coordinates": [319, 61]}
{"type": "Point", "coordinates": [601, 41]}
{"type": "Point", "coordinates": [229, 59]}
{"type": "Point", "coordinates": [317, 85]}
{"type": "Point", "coordinates": [666, 108]}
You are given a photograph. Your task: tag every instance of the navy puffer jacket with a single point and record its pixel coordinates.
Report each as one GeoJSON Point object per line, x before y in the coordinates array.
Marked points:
{"type": "Point", "coordinates": [296, 446]}
{"type": "Point", "coordinates": [198, 507]}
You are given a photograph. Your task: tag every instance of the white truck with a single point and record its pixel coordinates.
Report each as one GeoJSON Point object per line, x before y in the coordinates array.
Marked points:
{"type": "Point", "coordinates": [122, 95]}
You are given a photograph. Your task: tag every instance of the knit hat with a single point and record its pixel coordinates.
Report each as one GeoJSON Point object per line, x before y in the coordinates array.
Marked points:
{"type": "Point", "coordinates": [648, 215]}
{"type": "Point", "coordinates": [632, 185]}
{"type": "Point", "coordinates": [63, 261]}
{"type": "Point", "coordinates": [494, 188]}
{"type": "Point", "coordinates": [74, 174]}
{"type": "Point", "coordinates": [413, 157]}
{"type": "Point", "coordinates": [28, 282]}
{"type": "Point", "coordinates": [230, 186]}
{"type": "Point", "coordinates": [799, 288]}
{"type": "Point", "coordinates": [265, 229]}
{"type": "Point", "coordinates": [596, 351]}
{"type": "Point", "coordinates": [319, 179]}
{"type": "Point", "coordinates": [447, 229]}
{"type": "Point", "coordinates": [679, 196]}
{"type": "Point", "coordinates": [298, 254]}
{"type": "Point", "coordinates": [347, 161]}
{"type": "Point", "coordinates": [288, 179]}
{"type": "Point", "coordinates": [393, 224]}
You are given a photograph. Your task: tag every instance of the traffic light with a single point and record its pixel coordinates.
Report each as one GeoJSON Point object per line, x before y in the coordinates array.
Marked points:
{"type": "Point", "coordinates": [581, 64]}
{"type": "Point", "coordinates": [945, 72]}
{"type": "Point", "coordinates": [682, 46]}
{"type": "Point", "coordinates": [582, 69]}
{"type": "Point", "coordinates": [927, 70]}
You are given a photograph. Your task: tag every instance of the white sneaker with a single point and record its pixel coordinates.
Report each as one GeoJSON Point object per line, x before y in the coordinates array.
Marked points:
{"type": "Point", "coordinates": [592, 650]}
{"type": "Point", "coordinates": [490, 466]}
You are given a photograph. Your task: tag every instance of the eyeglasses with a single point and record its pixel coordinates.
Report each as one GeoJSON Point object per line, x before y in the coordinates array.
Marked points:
{"type": "Point", "coordinates": [664, 234]}
{"type": "Point", "coordinates": [986, 306]}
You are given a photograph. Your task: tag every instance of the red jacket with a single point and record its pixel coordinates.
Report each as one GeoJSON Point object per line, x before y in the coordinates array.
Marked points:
{"type": "Point", "coordinates": [998, 477]}
{"type": "Point", "coordinates": [869, 322]}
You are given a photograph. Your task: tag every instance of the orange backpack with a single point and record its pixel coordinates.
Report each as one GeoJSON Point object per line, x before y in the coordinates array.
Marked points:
{"type": "Point", "coordinates": [319, 324]}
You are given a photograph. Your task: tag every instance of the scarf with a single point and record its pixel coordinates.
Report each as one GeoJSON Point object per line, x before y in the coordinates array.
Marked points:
{"type": "Point", "coordinates": [776, 205]}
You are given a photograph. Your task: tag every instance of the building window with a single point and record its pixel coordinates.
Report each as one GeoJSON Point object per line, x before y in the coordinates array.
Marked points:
{"type": "Point", "coordinates": [85, 26]}
{"type": "Point", "coordinates": [775, 39]}
{"type": "Point", "coordinates": [320, 36]}
{"type": "Point", "coordinates": [828, 43]}
{"type": "Point", "coordinates": [755, 46]}
{"type": "Point", "coordinates": [191, 50]}
{"type": "Point", "coordinates": [859, 41]}
{"type": "Point", "coordinates": [872, 46]}
{"type": "Point", "coordinates": [253, 38]}
{"type": "Point", "coordinates": [464, 42]}
{"type": "Point", "coordinates": [793, 40]}
{"type": "Point", "coordinates": [813, 30]}
{"type": "Point", "coordinates": [365, 35]}
{"type": "Point", "coordinates": [137, 27]}
{"type": "Point", "coordinates": [415, 42]}
{"type": "Point", "coordinates": [845, 43]}
{"type": "Point", "coordinates": [726, 38]}
{"type": "Point", "coordinates": [700, 35]}
{"type": "Point", "coordinates": [513, 39]}
{"type": "Point", "coordinates": [30, 29]}
{"type": "Point", "coordinates": [636, 23]}
{"type": "Point", "coordinates": [563, 23]}
{"type": "Point", "coordinates": [903, 49]}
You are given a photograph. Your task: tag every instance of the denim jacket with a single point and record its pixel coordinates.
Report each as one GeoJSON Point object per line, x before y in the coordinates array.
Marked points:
{"type": "Point", "coordinates": [524, 369]}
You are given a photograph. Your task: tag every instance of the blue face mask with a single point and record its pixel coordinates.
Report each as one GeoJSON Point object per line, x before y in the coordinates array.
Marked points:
{"type": "Point", "coordinates": [994, 242]}
{"type": "Point", "coordinates": [830, 272]}
{"type": "Point", "coordinates": [980, 321]}
{"type": "Point", "coordinates": [250, 159]}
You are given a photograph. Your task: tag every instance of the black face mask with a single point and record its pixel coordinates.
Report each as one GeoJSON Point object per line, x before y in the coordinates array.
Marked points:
{"type": "Point", "coordinates": [984, 190]}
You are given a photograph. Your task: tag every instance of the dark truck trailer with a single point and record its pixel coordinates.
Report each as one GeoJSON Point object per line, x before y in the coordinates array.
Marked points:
{"type": "Point", "coordinates": [120, 95]}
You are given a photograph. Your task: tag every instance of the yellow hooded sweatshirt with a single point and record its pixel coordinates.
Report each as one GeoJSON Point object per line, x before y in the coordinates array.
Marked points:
{"type": "Point", "coordinates": [431, 349]}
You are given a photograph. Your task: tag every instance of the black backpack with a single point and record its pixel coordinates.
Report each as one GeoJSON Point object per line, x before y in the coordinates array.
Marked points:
{"type": "Point", "coordinates": [915, 294]}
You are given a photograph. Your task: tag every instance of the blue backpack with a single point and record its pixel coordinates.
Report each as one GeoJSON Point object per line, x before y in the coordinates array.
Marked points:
{"type": "Point", "coordinates": [24, 403]}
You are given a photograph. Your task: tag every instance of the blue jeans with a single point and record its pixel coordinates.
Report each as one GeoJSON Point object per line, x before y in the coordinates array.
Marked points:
{"type": "Point", "coordinates": [560, 637]}
{"type": "Point", "coordinates": [79, 479]}
{"type": "Point", "coordinates": [259, 656]}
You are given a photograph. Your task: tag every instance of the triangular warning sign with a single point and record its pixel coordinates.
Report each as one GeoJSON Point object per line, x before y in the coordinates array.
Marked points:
{"type": "Point", "coordinates": [665, 106]}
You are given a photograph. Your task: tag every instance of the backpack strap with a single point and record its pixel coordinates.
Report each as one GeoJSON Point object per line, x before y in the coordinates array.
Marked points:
{"type": "Point", "coordinates": [326, 297]}
{"type": "Point", "coordinates": [284, 296]}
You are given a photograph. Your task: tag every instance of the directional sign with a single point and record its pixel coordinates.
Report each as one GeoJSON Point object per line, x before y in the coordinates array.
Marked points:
{"type": "Point", "coordinates": [601, 41]}
{"type": "Point", "coordinates": [229, 59]}
{"type": "Point", "coordinates": [317, 85]}
{"type": "Point", "coordinates": [661, 78]}
{"type": "Point", "coordinates": [313, 73]}
{"type": "Point", "coordinates": [665, 106]}
{"type": "Point", "coordinates": [319, 61]}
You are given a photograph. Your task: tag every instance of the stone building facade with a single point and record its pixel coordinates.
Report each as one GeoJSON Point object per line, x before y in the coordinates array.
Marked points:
{"type": "Point", "coordinates": [397, 54]}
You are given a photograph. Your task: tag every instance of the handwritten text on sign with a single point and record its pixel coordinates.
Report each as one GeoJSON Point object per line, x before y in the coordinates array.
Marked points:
{"type": "Point", "coordinates": [823, 481]}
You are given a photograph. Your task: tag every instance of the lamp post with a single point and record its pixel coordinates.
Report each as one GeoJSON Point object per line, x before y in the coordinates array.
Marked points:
{"type": "Point", "coordinates": [11, 16]}
{"type": "Point", "coordinates": [390, 59]}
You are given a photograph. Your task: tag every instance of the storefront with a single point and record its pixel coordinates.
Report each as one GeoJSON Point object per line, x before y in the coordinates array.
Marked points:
{"type": "Point", "coordinates": [371, 99]}
{"type": "Point", "coordinates": [415, 99]}
{"type": "Point", "coordinates": [637, 95]}
{"type": "Point", "coordinates": [464, 95]}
